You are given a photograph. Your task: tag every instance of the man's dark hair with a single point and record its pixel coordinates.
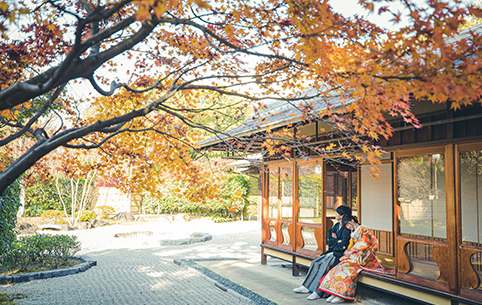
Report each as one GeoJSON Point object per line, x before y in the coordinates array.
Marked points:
{"type": "Point", "coordinates": [343, 210]}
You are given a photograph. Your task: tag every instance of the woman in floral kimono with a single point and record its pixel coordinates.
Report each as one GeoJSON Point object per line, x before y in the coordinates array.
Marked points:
{"type": "Point", "coordinates": [340, 282]}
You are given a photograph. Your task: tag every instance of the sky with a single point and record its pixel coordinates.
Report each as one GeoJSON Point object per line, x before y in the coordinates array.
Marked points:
{"type": "Point", "coordinates": [351, 7]}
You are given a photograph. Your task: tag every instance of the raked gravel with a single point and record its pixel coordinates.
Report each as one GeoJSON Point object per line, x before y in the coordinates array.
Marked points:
{"type": "Point", "coordinates": [141, 271]}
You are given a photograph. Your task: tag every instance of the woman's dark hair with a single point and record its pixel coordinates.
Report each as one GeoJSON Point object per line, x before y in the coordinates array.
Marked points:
{"type": "Point", "coordinates": [343, 210]}
{"type": "Point", "coordinates": [347, 218]}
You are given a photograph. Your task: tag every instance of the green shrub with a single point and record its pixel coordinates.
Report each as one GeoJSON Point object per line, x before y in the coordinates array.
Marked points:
{"type": "Point", "coordinates": [40, 249]}
{"type": "Point", "coordinates": [219, 219]}
{"type": "Point", "coordinates": [105, 211]}
{"type": "Point", "coordinates": [88, 215]}
{"type": "Point", "coordinates": [52, 214]}
{"type": "Point", "coordinates": [33, 210]}
{"type": "Point", "coordinates": [231, 203]}
{"type": "Point", "coordinates": [9, 203]}
{"type": "Point", "coordinates": [43, 195]}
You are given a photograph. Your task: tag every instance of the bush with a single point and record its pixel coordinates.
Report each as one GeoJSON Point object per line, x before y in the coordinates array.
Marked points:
{"type": "Point", "coordinates": [42, 195]}
{"type": "Point", "coordinates": [220, 219]}
{"type": "Point", "coordinates": [9, 203]}
{"type": "Point", "coordinates": [229, 204]}
{"type": "Point", "coordinates": [29, 252]}
{"type": "Point", "coordinates": [52, 214]}
{"type": "Point", "coordinates": [88, 215]}
{"type": "Point", "coordinates": [105, 211]}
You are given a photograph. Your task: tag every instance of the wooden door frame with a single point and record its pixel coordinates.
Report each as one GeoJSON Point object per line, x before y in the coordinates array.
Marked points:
{"type": "Point", "coordinates": [402, 265]}
{"type": "Point", "coordinates": [322, 227]}
{"type": "Point", "coordinates": [461, 248]}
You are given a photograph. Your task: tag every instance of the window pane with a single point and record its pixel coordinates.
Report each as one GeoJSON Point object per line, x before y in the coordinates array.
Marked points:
{"type": "Point", "coordinates": [471, 195]}
{"type": "Point", "coordinates": [310, 179]}
{"type": "Point", "coordinates": [272, 231]}
{"type": "Point", "coordinates": [423, 263]}
{"type": "Point", "coordinates": [286, 189]}
{"type": "Point", "coordinates": [309, 239]}
{"type": "Point", "coordinates": [354, 191]}
{"type": "Point", "coordinates": [273, 192]}
{"type": "Point", "coordinates": [421, 195]}
{"type": "Point", "coordinates": [285, 233]}
{"type": "Point", "coordinates": [476, 261]}
{"type": "Point", "coordinates": [341, 189]}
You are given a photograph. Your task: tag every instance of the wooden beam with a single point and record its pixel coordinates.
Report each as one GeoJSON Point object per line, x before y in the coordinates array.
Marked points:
{"type": "Point", "coordinates": [246, 149]}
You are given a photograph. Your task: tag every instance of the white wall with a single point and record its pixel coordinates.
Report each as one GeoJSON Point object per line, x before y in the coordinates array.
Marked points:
{"type": "Point", "coordinates": [113, 197]}
{"type": "Point", "coordinates": [376, 198]}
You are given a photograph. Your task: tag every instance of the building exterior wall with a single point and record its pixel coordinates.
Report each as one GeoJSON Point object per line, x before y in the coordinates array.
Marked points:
{"type": "Point", "coordinates": [113, 197]}
{"type": "Point", "coordinates": [425, 209]}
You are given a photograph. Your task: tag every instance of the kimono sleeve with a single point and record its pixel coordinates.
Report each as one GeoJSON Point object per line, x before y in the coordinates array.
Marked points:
{"type": "Point", "coordinates": [344, 237]}
{"type": "Point", "coordinates": [365, 241]}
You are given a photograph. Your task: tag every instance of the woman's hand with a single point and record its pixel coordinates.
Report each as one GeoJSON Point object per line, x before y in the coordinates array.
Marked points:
{"type": "Point", "coordinates": [348, 252]}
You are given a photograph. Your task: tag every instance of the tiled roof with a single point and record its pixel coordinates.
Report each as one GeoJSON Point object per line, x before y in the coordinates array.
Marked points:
{"type": "Point", "coordinates": [277, 114]}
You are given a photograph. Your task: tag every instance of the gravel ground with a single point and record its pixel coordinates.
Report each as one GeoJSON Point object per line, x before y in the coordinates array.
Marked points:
{"type": "Point", "coordinates": [140, 271]}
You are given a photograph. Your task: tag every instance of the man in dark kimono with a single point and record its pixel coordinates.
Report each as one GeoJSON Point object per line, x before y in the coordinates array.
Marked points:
{"type": "Point", "coordinates": [338, 238]}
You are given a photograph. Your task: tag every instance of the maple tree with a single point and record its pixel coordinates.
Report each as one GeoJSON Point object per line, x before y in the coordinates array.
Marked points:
{"type": "Point", "coordinates": [147, 56]}
{"type": "Point", "coordinates": [80, 169]}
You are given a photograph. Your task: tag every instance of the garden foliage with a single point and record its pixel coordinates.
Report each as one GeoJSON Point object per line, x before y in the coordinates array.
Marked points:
{"type": "Point", "coordinates": [42, 196]}
{"type": "Point", "coordinates": [9, 203]}
{"type": "Point", "coordinates": [29, 253]}
{"type": "Point", "coordinates": [232, 201]}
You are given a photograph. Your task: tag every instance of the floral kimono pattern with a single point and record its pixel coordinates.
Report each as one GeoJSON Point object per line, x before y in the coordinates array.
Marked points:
{"type": "Point", "coordinates": [360, 255]}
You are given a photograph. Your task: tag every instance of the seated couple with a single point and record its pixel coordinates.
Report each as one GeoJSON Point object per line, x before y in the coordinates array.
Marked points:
{"type": "Point", "coordinates": [340, 281]}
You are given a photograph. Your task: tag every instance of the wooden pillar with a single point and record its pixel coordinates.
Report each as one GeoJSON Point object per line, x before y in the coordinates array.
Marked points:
{"type": "Point", "coordinates": [451, 214]}
{"type": "Point", "coordinates": [295, 207]}
{"type": "Point", "coordinates": [400, 264]}
{"type": "Point", "coordinates": [394, 204]}
{"type": "Point", "coordinates": [296, 269]}
{"type": "Point", "coordinates": [358, 193]}
{"type": "Point", "coordinates": [264, 210]}
{"type": "Point", "coordinates": [450, 126]}
{"type": "Point", "coordinates": [294, 219]}
{"type": "Point", "coordinates": [323, 204]}
{"type": "Point", "coordinates": [349, 195]}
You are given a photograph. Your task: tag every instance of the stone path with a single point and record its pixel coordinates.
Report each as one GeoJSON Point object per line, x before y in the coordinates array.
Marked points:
{"type": "Point", "coordinates": [139, 271]}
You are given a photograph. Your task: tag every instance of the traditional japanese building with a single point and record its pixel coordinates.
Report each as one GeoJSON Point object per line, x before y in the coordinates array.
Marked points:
{"type": "Point", "coordinates": [425, 208]}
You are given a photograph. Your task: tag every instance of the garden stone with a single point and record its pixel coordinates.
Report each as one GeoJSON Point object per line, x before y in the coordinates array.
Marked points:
{"type": "Point", "coordinates": [26, 228]}
{"type": "Point", "coordinates": [66, 227]}
{"type": "Point", "coordinates": [125, 216]}
{"type": "Point", "coordinates": [164, 218]}
{"type": "Point", "coordinates": [99, 222]}
{"type": "Point", "coordinates": [84, 226]}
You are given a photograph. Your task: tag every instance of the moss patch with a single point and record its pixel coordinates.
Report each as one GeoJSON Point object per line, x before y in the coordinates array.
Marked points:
{"type": "Point", "coordinates": [39, 267]}
{"type": "Point", "coordinates": [7, 299]}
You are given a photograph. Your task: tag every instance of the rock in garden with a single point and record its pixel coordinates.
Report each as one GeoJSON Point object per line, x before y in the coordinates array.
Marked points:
{"type": "Point", "coordinates": [125, 216]}
{"type": "Point", "coordinates": [84, 226]}
{"type": "Point", "coordinates": [66, 227]}
{"type": "Point", "coordinates": [99, 222]}
{"type": "Point", "coordinates": [26, 228]}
